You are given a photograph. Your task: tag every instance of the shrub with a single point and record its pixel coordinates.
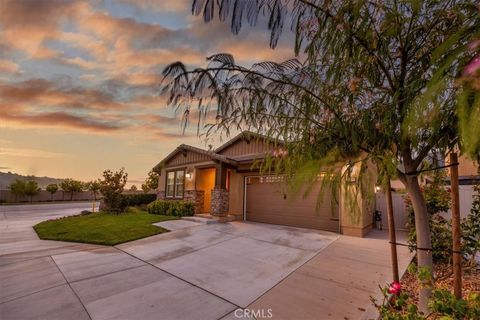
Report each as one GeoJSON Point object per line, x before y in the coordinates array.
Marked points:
{"type": "Point", "coordinates": [133, 200]}
{"type": "Point", "coordinates": [172, 208]}
{"type": "Point", "coordinates": [438, 200]}
{"type": "Point", "coordinates": [111, 187]}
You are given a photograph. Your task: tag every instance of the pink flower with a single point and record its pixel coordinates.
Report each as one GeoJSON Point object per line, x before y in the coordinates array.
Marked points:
{"type": "Point", "coordinates": [395, 288]}
{"type": "Point", "coordinates": [472, 67]}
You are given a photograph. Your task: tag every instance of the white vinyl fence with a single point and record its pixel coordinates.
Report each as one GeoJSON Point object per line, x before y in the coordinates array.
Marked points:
{"type": "Point", "coordinates": [400, 210]}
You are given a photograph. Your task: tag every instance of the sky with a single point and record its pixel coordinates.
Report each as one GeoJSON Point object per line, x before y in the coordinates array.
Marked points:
{"type": "Point", "coordinates": [80, 82]}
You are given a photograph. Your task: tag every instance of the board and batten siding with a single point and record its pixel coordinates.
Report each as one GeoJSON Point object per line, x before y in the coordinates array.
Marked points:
{"type": "Point", "coordinates": [244, 147]}
{"type": "Point", "coordinates": [186, 157]}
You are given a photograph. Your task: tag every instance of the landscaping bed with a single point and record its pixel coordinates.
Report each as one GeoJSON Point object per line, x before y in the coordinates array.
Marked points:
{"type": "Point", "coordinates": [103, 228]}
{"type": "Point", "coordinates": [443, 280]}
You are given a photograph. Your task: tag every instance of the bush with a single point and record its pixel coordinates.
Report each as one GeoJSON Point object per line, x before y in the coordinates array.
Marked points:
{"type": "Point", "coordinates": [178, 208]}
{"type": "Point", "coordinates": [133, 200]}
{"type": "Point", "coordinates": [438, 200]}
{"type": "Point", "coordinates": [443, 305]}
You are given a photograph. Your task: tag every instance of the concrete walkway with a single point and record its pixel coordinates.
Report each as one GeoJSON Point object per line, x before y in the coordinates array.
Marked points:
{"type": "Point", "coordinates": [197, 271]}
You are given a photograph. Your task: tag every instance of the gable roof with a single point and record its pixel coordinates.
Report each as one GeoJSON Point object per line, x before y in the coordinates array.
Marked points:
{"type": "Point", "coordinates": [245, 135]}
{"type": "Point", "coordinates": [215, 156]}
{"type": "Point", "coordinates": [185, 147]}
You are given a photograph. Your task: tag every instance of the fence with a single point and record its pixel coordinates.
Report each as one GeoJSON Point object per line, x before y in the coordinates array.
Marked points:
{"type": "Point", "coordinates": [400, 210]}
{"type": "Point", "coordinates": [44, 196]}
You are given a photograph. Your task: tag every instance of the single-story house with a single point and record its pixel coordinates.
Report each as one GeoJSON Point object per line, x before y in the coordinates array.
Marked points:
{"type": "Point", "coordinates": [223, 182]}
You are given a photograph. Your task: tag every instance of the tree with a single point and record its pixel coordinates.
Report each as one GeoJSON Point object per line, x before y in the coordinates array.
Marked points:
{"type": "Point", "coordinates": [17, 188]}
{"type": "Point", "coordinates": [111, 187]}
{"type": "Point", "coordinates": [94, 188]}
{"type": "Point", "coordinates": [52, 189]}
{"type": "Point", "coordinates": [71, 186]}
{"type": "Point", "coordinates": [31, 189]}
{"type": "Point", "coordinates": [376, 83]}
{"type": "Point", "coordinates": [133, 188]}
{"type": "Point", "coordinates": [151, 183]}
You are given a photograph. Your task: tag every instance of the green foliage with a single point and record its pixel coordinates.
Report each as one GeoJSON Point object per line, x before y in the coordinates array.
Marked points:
{"type": "Point", "coordinates": [31, 189]}
{"type": "Point", "coordinates": [471, 229]}
{"type": "Point", "coordinates": [17, 188]}
{"type": "Point", "coordinates": [132, 200]}
{"type": "Point", "coordinates": [94, 188]}
{"type": "Point", "coordinates": [102, 228]}
{"type": "Point", "coordinates": [438, 200]}
{"type": "Point", "coordinates": [111, 187]}
{"type": "Point", "coordinates": [71, 186]}
{"type": "Point", "coordinates": [52, 189]}
{"type": "Point", "coordinates": [442, 304]}
{"type": "Point", "coordinates": [151, 183]}
{"type": "Point", "coordinates": [178, 208]}
{"type": "Point", "coordinates": [133, 188]}
{"type": "Point", "coordinates": [24, 188]}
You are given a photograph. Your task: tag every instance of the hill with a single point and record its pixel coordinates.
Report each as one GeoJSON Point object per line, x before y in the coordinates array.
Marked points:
{"type": "Point", "coordinates": [8, 177]}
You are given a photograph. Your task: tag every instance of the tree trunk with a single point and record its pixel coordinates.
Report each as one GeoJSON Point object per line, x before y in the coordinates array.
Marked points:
{"type": "Point", "coordinates": [71, 196]}
{"type": "Point", "coordinates": [424, 241]}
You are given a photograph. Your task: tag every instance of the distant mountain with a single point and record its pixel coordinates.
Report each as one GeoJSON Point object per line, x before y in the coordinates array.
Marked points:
{"type": "Point", "coordinates": [8, 177]}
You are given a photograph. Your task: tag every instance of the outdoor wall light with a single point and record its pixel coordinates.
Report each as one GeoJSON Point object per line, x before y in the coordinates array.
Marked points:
{"type": "Point", "coordinates": [188, 175]}
{"type": "Point", "coordinates": [377, 188]}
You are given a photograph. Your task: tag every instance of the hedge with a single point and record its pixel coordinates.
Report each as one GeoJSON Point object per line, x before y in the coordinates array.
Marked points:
{"type": "Point", "coordinates": [132, 200]}
{"type": "Point", "coordinates": [176, 208]}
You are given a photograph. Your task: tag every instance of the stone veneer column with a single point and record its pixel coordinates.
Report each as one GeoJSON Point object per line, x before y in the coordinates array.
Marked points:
{"type": "Point", "coordinates": [219, 201]}
{"type": "Point", "coordinates": [196, 196]}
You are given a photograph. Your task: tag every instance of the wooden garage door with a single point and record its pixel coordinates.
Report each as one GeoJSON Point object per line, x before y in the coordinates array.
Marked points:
{"type": "Point", "coordinates": [268, 201]}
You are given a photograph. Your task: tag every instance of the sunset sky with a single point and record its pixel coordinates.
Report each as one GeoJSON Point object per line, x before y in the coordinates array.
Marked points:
{"type": "Point", "coordinates": [79, 82]}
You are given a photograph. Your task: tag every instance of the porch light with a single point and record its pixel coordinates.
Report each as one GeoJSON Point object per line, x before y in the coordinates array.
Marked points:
{"type": "Point", "coordinates": [188, 175]}
{"type": "Point", "coordinates": [377, 189]}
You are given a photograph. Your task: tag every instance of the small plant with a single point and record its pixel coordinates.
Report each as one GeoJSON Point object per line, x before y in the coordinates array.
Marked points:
{"type": "Point", "coordinates": [172, 208]}
{"type": "Point", "coordinates": [398, 305]}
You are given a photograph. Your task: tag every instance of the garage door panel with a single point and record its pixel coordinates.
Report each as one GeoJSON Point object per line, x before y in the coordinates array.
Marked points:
{"type": "Point", "coordinates": [268, 201]}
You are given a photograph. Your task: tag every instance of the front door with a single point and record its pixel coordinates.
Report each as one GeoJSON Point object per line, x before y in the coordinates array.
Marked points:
{"type": "Point", "coordinates": [205, 181]}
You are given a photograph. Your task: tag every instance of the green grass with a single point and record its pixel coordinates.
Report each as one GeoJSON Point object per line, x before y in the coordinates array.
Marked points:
{"type": "Point", "coordinates": [102, 228]}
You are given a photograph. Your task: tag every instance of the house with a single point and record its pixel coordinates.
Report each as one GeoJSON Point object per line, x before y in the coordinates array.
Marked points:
{"type": "Point", "coordinates": [224, 183]}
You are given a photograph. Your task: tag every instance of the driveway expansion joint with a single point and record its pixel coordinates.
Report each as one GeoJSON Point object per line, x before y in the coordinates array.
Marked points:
{"type": "Point", "coordinates": [71, 288]}
{"type": "Point", "coordinates": [177, 277]}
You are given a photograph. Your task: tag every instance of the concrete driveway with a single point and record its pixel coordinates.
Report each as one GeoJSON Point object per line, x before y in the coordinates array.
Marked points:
{"type": "Point", "coordinates": [196, 271]}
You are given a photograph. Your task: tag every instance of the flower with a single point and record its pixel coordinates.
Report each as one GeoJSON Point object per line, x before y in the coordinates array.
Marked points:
{"type": "Point", "coordinates": [472, 67]}
{"type": "Point", "coordinates": [395, 288]}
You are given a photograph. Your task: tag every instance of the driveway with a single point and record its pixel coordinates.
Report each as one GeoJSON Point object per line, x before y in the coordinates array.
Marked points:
{"type": "Point", "coordinates": [196, 271]}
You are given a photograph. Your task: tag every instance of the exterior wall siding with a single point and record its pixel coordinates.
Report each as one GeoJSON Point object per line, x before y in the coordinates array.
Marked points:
{"type": "Point", "coordinates": [243, 147]}
{"type": "Point", "coordinates": [187, 157]}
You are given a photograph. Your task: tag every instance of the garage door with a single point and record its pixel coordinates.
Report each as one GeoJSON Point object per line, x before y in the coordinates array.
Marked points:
{"type": "Point", "coordinates": [268, 201]}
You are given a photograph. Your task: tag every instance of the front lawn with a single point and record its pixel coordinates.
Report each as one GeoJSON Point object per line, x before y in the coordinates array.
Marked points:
{"type": "Point", "coordinates": [102, 228]}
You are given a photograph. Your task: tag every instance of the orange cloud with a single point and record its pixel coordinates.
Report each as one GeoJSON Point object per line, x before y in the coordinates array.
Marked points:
{"type": "Point", "coordinates": [7, 66]}
{"type": "Point", "coordinates": [25, 25]}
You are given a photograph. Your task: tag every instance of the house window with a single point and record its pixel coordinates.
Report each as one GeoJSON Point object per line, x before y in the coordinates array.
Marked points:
{"type": "Point", "coordinates": [175, 184]}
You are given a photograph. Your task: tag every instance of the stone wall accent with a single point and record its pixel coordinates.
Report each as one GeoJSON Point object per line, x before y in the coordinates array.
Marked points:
{"type": "Point", "coordinates": [197, 196]}
{"type": "Point", "coordinates": [219, 202]}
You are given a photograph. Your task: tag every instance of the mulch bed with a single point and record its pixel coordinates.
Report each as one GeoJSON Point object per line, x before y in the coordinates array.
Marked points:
{"type": "Point", "coordinates": [443, 280]}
